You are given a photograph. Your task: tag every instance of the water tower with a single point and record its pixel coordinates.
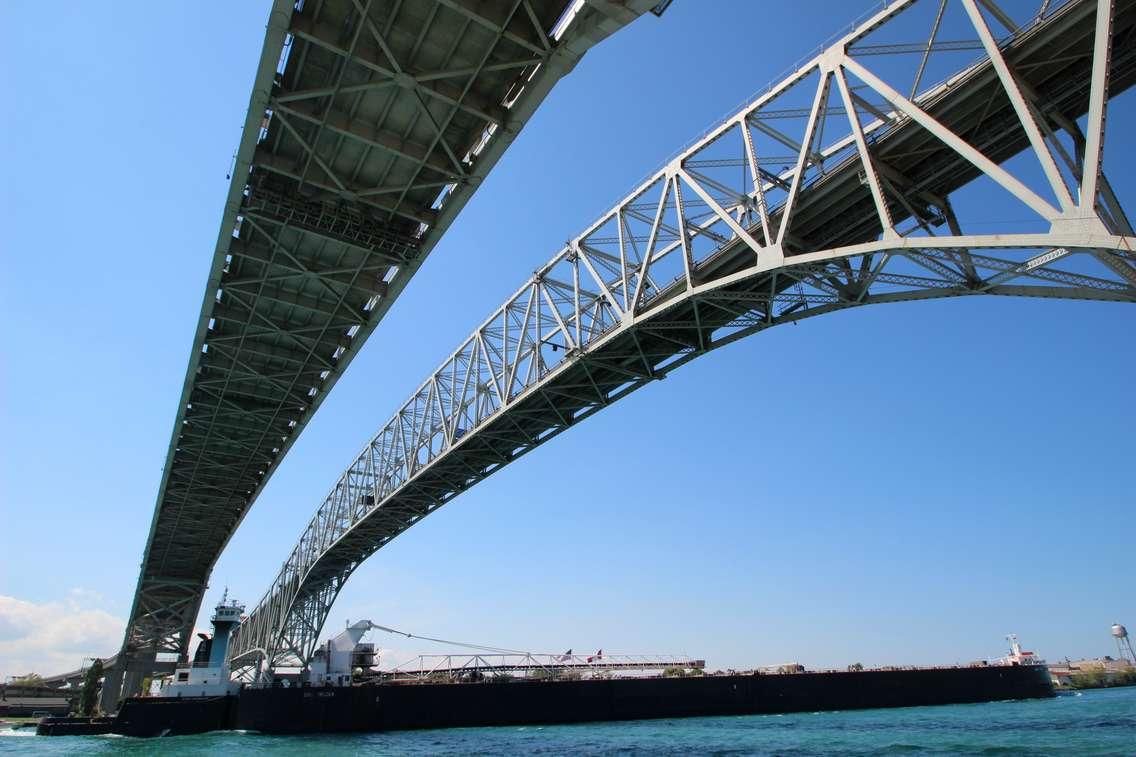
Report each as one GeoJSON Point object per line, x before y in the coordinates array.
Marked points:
{"type": "Point", "coordinates": [1123, 643]}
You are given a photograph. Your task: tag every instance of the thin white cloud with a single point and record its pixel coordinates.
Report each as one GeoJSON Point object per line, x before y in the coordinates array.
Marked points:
{"type": "Point", "coordinates": [54, 637]}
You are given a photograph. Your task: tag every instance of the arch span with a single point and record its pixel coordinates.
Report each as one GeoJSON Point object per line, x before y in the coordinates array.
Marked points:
{"type": "Point", "coordinates": [829, 191]}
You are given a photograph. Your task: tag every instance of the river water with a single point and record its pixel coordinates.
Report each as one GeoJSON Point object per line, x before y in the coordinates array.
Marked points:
{"type": "Point", "coordinates": [1101, 722]}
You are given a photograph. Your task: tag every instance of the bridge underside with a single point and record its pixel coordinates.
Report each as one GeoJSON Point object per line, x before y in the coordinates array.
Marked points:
{"type": "Point", "coordinates": [370, 125]}
{"type": "Point", "coordinates": [830, 191]}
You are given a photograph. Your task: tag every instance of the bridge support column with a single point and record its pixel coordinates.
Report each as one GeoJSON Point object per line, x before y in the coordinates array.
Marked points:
{"type": "Point", "coordinates": [112, 688]}
{"type": "Point", "coordinates": [132, 685]}
{"type": "Point", "coordinates": [124, 678]}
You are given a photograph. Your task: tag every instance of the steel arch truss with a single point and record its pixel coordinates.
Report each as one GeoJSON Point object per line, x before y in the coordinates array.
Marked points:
{"type": "Point", "coordinates": [829, 191]}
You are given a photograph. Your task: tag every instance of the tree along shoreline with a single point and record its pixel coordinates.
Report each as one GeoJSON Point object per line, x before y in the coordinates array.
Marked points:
{"type": "Point", "coordinates": [1097, 677]}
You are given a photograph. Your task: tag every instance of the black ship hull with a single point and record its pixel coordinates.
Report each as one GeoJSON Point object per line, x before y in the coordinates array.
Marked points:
{"type": "Point", "coordinates": [384, 707]}
{"type": "Point", "coordinates": [152, 716]}
{"type": "Point", "coordinates": [395, 707]}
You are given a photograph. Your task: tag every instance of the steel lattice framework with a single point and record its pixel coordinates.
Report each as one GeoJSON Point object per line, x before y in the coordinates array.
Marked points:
{"type": "Point", "coordinates": [829, 191]}
{"type": "Point", "coordinates": [371, 123]}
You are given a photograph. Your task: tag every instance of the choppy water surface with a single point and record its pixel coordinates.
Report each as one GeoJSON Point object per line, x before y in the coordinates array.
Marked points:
{"type": "Point", "coordinates": [1093, 723]}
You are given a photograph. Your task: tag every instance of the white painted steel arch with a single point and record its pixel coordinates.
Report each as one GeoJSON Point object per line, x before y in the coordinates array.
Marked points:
{"type": "Point", "coordinates": [826, 192]}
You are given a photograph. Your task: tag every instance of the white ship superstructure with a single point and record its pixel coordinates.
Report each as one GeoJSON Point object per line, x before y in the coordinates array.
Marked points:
{"type": "Point", "coordinates": [1017, 655]}
{"type": "Point", "coordinates": [208, 673]}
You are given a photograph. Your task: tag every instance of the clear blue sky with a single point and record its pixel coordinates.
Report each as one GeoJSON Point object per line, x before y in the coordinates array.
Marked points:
{"type": "Point", "coordinates": [896, 484]}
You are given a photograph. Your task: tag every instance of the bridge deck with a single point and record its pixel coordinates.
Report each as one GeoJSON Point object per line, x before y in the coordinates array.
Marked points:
{"type": "Point", "coordinates": [370, 125]}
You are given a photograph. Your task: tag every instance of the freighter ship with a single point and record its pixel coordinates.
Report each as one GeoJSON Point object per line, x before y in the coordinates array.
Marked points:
{"type": "Point", "coordinates": [340, 692]}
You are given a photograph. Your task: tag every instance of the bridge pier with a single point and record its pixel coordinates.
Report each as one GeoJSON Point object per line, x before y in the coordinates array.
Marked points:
{"type": "Point", "coordinates": [124, 678]}
{"type": "Point", "coordinates": [112, 688]}
{"type": "Point", "coordinates": [132, 685]}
